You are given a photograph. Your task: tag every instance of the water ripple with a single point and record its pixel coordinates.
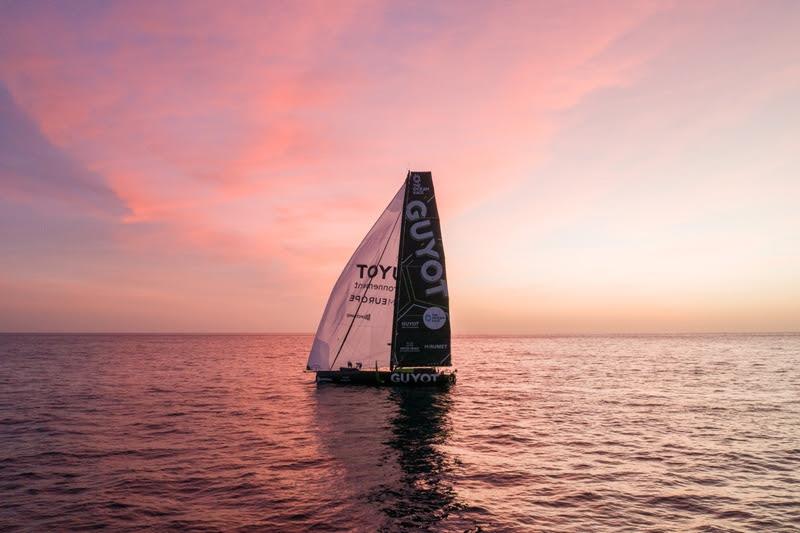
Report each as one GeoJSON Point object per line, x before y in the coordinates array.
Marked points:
{"type": "Point", "coordinates": [209, 433]}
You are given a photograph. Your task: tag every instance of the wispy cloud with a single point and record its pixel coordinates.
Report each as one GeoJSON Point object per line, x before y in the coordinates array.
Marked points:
{"type": "Point", "coordinates": [34, 171]}
{"type": "Point", "coordinates": [272, 134]}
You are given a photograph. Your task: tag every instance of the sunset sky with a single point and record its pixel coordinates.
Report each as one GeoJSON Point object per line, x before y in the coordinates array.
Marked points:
{"type": "Point", "coordinates": [210, 166]}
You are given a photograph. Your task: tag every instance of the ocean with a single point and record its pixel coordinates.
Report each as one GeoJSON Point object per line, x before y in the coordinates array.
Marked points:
{"type": "Point", "coordinates": [217, 432]}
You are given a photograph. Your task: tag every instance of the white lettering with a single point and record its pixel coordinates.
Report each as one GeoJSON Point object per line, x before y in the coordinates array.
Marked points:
{"type": "Point", "coordinates": [432, 269]}
{"type": "Point", "coordinates": [428, 250]}
{"type": "Point", "coordinates": [416, 210]}
{"type": "Point", "coordinates": [437, 271]}
{"type": "Point", "coordinates": [416, 226]}
{"type": "Point", "coordinates": [442, 287]}
{"type": "Point", "coordinates": [412, 377]}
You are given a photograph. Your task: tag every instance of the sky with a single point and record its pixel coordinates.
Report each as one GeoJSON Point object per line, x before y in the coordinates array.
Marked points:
{"type": "Point", "coordinates": [204, 166]}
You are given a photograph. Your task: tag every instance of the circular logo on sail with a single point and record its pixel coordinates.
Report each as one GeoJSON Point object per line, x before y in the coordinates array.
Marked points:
{"type": "Point", "coordinates": [434, 318]}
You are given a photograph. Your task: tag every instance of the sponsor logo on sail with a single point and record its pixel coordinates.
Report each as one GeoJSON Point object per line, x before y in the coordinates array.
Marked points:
{"type": "Point", "coordinates": [370, 299]}
{"type": "Point", "coordinates": [373, 286]}
{"type": "Point", "coordinates": [434, 318]}
{"type": "Point", "coordinates": [365, 316]}
{"type": "Point", "coordinates": [417, 187]}
{"type": "Point", "coordinates": [432, 269]}
{"type": "Point", "coordinates": [372, 271]}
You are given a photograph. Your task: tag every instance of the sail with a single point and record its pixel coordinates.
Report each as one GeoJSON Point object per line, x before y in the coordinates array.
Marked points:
{"type": "Point", "coordinates": [356, 326]}
{"type": "Point", "coordinates": [421, 334]}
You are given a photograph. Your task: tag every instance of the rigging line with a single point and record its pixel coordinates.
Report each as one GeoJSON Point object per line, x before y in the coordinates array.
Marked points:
{"type": "Point", "coordinates": [393, 359]}
{"type": "Point", "coordinates": [399, 216]}
{"type": "Point", "coordinates": [399, 279]}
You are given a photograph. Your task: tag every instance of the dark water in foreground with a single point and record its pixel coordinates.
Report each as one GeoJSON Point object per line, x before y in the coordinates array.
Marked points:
{"type": "Point", "coordinates": [682, 433]}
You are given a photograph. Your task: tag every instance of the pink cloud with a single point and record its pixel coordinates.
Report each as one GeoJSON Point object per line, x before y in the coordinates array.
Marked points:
{"type": "Point", "coordinates": [273, 134]}
{"type": "Point", "coordinates": [178, 106]}
{"type": "Point", "coordinates": [245, 144]}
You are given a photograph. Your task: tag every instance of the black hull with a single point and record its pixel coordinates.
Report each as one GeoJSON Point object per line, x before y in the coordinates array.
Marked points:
{"type": "Point", "coordinates": [382, 378]}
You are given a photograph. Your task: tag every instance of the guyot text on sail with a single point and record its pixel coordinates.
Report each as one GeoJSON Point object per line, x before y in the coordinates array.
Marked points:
{"type": "Point", "coordinates": [431, 270]}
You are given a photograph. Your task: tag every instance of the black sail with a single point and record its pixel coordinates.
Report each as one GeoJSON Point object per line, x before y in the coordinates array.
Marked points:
{"type": "Point", "coordinates": [421, 335]}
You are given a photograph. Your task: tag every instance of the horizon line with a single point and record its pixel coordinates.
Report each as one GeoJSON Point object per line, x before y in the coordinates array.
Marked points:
{"type": "Point", "coordinates": [295, 333]}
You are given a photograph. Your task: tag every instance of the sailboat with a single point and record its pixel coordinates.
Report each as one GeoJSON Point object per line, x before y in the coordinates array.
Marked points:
{"type": "Point", "coordinates": [387, 320]}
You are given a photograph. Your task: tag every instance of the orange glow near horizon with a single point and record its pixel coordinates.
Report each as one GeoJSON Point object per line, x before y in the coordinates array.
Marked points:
{"type": "Point", "coordinates": [599, 167]}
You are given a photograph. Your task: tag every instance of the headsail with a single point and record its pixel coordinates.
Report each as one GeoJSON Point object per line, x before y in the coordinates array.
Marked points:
{"type": "Point", "coordinates": [357, 323]}
{"type": "Point", "coordinates": [421, 335]}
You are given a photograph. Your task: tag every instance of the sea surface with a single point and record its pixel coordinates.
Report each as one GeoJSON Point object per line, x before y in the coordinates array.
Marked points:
{"type": "Point", "coordinates": [186, 432]}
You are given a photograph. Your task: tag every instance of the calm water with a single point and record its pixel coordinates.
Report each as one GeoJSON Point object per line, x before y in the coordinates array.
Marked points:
{"type": "Point", "coordinates": [681, 433]}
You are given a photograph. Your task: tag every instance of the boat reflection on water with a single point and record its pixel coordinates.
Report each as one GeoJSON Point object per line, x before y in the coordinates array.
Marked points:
{"type": "Point", "coordinates": [419, 429]}
{"type": "Point", "coordinates": [390, 471]}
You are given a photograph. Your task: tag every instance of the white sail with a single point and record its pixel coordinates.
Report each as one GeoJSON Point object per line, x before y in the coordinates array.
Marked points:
{"type": "Point", "coordinates": [356, 326]}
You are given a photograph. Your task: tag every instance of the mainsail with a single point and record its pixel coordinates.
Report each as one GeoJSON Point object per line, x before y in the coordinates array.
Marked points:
{"type": "Point", "coordinates": [356, 325]}
{"type": "Point", "coordinates": [421, 335]}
